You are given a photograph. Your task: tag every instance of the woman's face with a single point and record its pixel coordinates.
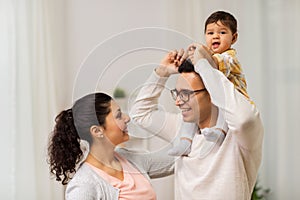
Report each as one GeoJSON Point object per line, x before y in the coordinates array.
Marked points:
{"type": "Point", "coordinates": [116, 125]}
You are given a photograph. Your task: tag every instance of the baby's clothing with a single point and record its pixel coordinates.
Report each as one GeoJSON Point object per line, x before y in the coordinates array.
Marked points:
{"type": "Point", "coordinates": [231, 68]}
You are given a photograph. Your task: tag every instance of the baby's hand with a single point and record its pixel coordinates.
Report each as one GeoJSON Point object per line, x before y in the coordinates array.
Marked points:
{"type": "Point", "coordinates": [216, 63]}
{"type": "Point", "coordinates": [190, 52]}
{"type": "Point", "coordinates": [199, 51]}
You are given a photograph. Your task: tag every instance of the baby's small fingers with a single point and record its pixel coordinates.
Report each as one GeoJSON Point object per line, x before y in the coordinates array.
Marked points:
{"type": "Point", "coordinates": [191, 47]}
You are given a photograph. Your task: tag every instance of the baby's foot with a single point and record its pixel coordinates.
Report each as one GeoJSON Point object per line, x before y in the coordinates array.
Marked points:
{"type": "Point", "coordinates": [213, 134]}
{"type": "Point", "coordinates": [182, 149]}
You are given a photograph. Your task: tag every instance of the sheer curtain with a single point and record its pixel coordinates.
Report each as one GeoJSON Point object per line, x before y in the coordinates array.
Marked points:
{"type": "Point", "coordinates": [281, 98]}
{"type": "Point", "coordinates": [29, 59]}
{"type": "Point", "coordinates": [268, 48]}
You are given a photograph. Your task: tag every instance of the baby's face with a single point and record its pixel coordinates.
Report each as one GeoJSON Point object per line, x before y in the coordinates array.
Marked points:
{"type": "Point", "coordinates": [219, 37]}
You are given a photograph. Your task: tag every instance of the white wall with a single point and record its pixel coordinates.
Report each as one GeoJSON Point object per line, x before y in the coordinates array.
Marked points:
{"type": "Point", "coordinates": [95, 36]}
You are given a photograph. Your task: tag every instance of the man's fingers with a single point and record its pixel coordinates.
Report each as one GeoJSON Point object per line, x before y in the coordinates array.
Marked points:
{"type": "Point", "coordinates": [173, 54]}
{"type": "Point", "coordinates": [184, 56]}
{"type": "Point", "coordinates": [179, 54]}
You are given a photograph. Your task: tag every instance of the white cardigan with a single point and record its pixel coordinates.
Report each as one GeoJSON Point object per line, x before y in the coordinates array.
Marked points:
{"type": "Point", "coordinates": [212, 171]}
{"type": "Point", "coordinates": [88, 185]}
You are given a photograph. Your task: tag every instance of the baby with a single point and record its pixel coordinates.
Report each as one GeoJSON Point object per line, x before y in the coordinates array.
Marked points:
{"type": "Point", "coordinates": [220, 34]}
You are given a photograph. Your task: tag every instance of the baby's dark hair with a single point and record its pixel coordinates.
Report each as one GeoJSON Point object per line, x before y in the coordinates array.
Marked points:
{"type": "Point", "coordinates": [71, 126]}
{"type": "Point", "coordinates": [225, 18]}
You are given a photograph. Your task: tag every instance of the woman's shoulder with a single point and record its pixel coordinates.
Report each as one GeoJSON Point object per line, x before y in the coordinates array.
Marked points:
{"type": "Point", "coordinates": [87, 183]}
{"type": "Point", "coordinates": [84, 174]}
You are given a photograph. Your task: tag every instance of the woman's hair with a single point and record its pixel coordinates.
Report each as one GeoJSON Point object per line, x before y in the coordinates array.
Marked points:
{"type": "Point", "coordinates": [225, 18]}
{"type": "Point", "coordinates": [71, 126]}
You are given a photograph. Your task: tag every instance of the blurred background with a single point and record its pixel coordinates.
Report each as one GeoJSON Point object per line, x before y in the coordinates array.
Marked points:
{"type": "Point", "coordinates": [54, 51]}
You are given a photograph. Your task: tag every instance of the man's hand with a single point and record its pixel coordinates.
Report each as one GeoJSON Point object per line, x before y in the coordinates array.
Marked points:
{"type": "Point", "coordinates": [198, 51]}
{"type": "Point", "coordinates": [170, 63]}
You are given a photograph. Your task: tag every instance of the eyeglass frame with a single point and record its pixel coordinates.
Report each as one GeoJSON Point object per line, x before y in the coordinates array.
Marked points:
{"type": "Point", "coordinates": [175, 93]}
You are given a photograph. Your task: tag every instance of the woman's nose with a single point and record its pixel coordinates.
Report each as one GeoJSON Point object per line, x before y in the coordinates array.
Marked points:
{"type": "Point", "coordinates": [127, 118]}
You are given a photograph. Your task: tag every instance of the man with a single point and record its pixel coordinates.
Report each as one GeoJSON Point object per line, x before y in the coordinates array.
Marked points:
{"type": "Point", "coordinates": [214, 170]}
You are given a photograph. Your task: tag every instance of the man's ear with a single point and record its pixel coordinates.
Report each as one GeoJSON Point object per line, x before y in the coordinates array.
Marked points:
{"type": "Point", "coordinates": [234, 38]}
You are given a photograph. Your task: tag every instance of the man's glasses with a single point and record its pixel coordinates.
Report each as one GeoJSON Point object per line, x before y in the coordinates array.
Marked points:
{"type": "Point", "coordinates": [184, 95]}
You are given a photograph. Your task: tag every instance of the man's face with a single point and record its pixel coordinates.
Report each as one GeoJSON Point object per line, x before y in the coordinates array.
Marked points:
{"type": "Point", "coordinates": [198, 108]}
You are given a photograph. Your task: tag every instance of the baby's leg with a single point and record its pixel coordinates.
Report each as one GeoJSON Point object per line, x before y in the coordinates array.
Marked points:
{"type": "Point", "coordinates": [183, 148]}
{"type": "Point", "coordinates": [213, 134]}
{"type": "Point", "coordinates": [218, 132]}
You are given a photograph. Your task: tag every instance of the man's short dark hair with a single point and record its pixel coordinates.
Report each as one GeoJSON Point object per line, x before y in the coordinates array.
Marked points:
{"type": "Point", "coordinates": [186, 66]}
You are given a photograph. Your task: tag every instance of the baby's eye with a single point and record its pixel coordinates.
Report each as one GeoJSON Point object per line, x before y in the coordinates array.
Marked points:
{"type": "Point", "coordinates": [210, 33]}
{"type": "Point", "coordinates": [223, 32]}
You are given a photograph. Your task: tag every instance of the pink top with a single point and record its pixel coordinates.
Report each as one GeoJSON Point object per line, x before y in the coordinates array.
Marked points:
{"type": "Point", "coordinates": [134, 185]}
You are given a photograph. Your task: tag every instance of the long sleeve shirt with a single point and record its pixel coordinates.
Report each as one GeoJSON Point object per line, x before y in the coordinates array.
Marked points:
{"type": "Point", "coordinates": [217, 171]}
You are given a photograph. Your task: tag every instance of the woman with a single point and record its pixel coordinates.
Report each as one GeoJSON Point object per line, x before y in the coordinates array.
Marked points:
{"type": "Point", "coordinates": [104, 172]}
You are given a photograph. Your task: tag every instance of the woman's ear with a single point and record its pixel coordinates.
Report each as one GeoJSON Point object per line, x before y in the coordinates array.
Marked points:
{"type": "Point", "coordinates": [234, 38]}
{"type": "Point", "coordinates": [97, 131]}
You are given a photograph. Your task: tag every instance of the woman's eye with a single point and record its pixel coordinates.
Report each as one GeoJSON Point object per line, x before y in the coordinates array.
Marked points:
{"type": "Point", "coordinates": [119, 115]}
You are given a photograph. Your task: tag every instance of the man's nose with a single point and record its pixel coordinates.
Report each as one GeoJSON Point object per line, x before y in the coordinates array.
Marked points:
{"type": "Point", "coordinates": [178, 101]}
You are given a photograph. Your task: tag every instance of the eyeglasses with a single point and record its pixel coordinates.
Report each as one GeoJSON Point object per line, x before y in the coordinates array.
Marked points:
{"type": "Point", "coordinates": [184, 95]}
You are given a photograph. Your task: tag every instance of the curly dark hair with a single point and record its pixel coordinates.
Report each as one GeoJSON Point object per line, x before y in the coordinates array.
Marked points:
{"type": "Point", "coordinates": [72, 125]}
{"type": "Point", "coordinates": [225, 18]}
